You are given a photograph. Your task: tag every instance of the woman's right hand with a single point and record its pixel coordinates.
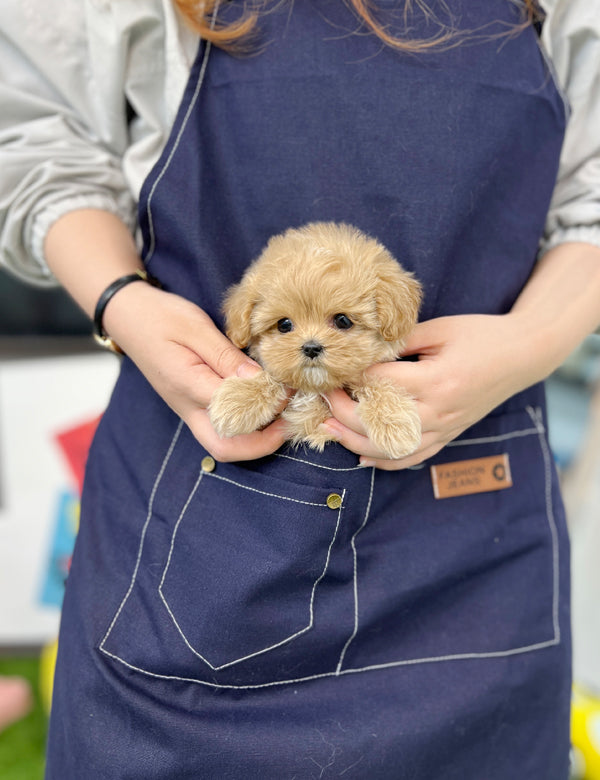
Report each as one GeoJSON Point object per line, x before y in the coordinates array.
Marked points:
{"type": "Point", "coordinates": [173, 342]}
{"type": "Point", "coordinates": [185, 357]}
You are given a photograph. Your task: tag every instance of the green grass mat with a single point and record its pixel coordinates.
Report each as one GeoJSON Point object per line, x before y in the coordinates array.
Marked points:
{"type": "Point", "coordinates": [22, 744]}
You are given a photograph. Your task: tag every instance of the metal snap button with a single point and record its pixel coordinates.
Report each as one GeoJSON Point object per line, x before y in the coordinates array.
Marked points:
{"type": "Point", "coordinates": [208, 464]}
{"type": "Point", "coordinates": [334, 501]}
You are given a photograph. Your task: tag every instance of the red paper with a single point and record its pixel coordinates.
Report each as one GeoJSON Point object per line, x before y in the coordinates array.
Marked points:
{"type": "Point", "coordinates": [75, 444]}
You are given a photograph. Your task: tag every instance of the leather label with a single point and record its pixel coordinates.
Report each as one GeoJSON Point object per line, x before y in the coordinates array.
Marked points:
{"type": "Point", "coordinates": [463, 477]}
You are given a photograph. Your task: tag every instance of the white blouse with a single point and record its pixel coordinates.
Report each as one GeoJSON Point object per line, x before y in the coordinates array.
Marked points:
{"type": "Point", "coordinates": [67, 68]}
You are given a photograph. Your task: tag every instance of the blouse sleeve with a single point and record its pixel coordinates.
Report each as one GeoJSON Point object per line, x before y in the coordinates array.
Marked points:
{"type": "Point", "coordinates": [72, 74]}
{"type": "Point", "coordinates": [571, 36]}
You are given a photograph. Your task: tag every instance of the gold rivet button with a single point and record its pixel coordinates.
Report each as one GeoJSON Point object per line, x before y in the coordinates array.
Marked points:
{"type": "Point", "coordinates": [334, 501]}
{"type": "Point", "coordinates": [208, 464]}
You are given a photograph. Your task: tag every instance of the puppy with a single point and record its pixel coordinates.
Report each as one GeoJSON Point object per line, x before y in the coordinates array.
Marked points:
{"type": "Point", "coordinates": [320, 305]}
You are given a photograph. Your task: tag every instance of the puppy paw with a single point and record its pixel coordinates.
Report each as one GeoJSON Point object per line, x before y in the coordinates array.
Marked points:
{"type": "Point", "coordinates": [317, 440]}
{"type": "Point", "coordinates": [396, 438]}
{"type": "Point", "coordinates": [390, 417]}
{"type": "Point", "coordinates": [244, 405]}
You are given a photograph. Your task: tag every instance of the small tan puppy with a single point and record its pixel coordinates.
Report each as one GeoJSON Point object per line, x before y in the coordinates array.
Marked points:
{"type": "Point", "coordinates": [320, 305]}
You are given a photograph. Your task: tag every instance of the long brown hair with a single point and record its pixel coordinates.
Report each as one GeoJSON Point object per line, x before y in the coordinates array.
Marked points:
{"type": "Point", "coordinates": [198, 14]}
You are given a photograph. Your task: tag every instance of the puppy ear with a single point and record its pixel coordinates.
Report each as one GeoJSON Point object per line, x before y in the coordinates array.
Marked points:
{"type": "Point", "coordinates": [398, 298]}
{"type": "Point", "coordinates": [237, 307]}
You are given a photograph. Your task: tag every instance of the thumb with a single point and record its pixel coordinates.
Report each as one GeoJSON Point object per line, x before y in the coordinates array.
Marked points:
{"type": "Point", "coordinates": [247, 368]}
{"type": "Point", "coordinates": [425, 337]}
{"type": "Point", "coordinates": [225, 358]}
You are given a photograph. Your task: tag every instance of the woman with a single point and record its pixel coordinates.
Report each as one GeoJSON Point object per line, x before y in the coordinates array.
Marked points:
{"type": "Point", "coordinates": [224, 616]}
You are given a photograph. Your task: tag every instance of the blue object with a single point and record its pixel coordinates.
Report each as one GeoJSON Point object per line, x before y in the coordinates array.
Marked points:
{"type": "Point", "coordinates": [229, 624]}
{"type": "Point", "coordinates": [62, 542]}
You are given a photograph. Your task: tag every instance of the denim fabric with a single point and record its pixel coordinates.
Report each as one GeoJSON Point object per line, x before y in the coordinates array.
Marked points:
{"type": "Point", "coordinates": [228, 623]}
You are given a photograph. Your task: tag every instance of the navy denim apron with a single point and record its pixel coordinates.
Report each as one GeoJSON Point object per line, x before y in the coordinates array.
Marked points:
{"type": "Point", "coordinates": [229, 623]}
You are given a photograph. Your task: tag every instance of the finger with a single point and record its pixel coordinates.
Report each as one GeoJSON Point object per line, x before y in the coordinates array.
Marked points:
{"type": "Point", "coordinates": [249, 446]}
{"type": "Point", "coordinates": [343, 408]}
{"type": "Point", "coordinates": [194, 380]}
{"type": "Point", "coordinates": [425, 337]}
{"type": "Point", "coordinates": [417, 458]}
{"type": "Point", "coordinates": [346, 421]}
{"type": "Point", "coordinates": [350, 439]}
{"type": "Point", "coordinates": [186, 386]}
{"type": "Point", "coordinates": [224, 357]}
{"type": "Point", "coordinates": [412, 376]}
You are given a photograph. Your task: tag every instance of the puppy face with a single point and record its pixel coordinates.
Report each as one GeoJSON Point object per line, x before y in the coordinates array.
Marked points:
{"type": "Point", "coordinates": [320, 305]}
{"type": "Point", "coordinates": [319, 343]}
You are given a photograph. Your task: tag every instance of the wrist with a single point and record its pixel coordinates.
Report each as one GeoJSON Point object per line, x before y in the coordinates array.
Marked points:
{"type": "Point", "coordinates": [532, 340]}
{"type": "Point", "coordinates": [113, 289]}
{"type": "Point", "coordinates": [129, 312]}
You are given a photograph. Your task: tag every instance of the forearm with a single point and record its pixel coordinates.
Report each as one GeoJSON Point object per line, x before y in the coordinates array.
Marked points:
{"type": "Point", "coordinates": [87, 250]}
{"type": "Point", "coordinates": [558, 308]}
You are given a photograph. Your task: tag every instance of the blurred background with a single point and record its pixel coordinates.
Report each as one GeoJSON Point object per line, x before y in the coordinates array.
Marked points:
{"type": "Point", "coordinates": [54, 385]}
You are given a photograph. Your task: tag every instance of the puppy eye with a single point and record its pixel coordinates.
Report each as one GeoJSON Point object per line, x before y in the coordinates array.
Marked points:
{"type": "Point", "coordinates": [285, 325]}
{"type": "Point", "coordinates": [342, 322]}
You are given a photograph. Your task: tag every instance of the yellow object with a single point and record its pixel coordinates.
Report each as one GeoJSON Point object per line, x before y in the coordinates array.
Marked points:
{"type": "Point", "coordinates": [208, 464]}
{"type": "Point", "coordinates": [334, 501]}
{"type": "Point", "coordinates": [47, 664]}
{"type": "Point", "coordinates": [585, 735]}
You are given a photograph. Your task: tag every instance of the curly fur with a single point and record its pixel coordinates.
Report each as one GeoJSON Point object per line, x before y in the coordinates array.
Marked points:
{"type": "Point", "coordinates": [308, 276]}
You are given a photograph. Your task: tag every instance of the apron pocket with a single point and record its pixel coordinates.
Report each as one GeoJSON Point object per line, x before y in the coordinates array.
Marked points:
{"type": "Point", "coordinates": [244, 564]}
{"type": "Point", "coordinates": [238, 580]}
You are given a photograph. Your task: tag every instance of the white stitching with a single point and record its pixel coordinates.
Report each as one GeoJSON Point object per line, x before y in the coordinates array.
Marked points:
{"type": "Point", "coordinates": [455, 443]}
{"type": "Point", "coordinates": [145, 528]}
{"type": "Point", "coordinates": [355, 557]}
{"type": "Point", "coordinates": [262, 492]}
{"type": "Point", "coordinates": [374, 667]}
{"type": "Point", "coordinates": [271, 647]}
{"type": "Point", "coordinates": [481, 440]}
{"type": "Point", "coordinates": [319, 465]}
{"type": "Point", "coordinates": [170, 555]}
{"type": "Point", "coordinates": [175, 146]}
{"type": "Point", "coordinates": [488, 439]}
{"type": "Point", "coordinates": [536, 418]}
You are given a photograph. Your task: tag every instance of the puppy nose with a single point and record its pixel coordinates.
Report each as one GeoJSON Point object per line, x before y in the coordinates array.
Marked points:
{"type": "Point", "coordinates": [311, 349]}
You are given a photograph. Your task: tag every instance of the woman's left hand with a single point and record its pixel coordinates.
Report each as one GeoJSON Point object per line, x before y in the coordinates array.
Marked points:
{"type": "Point", "coordinates": [467, 366]}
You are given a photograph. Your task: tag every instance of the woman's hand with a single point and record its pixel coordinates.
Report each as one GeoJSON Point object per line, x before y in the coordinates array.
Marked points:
{"type": "Point", "coordinates": [471, 363]}
{"type": "Point", "coordinates": [173, 342]}
{"type": "Point", "coordinates": [467, 366]}
{"type": "Point", "coordinates": [185, 357]}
